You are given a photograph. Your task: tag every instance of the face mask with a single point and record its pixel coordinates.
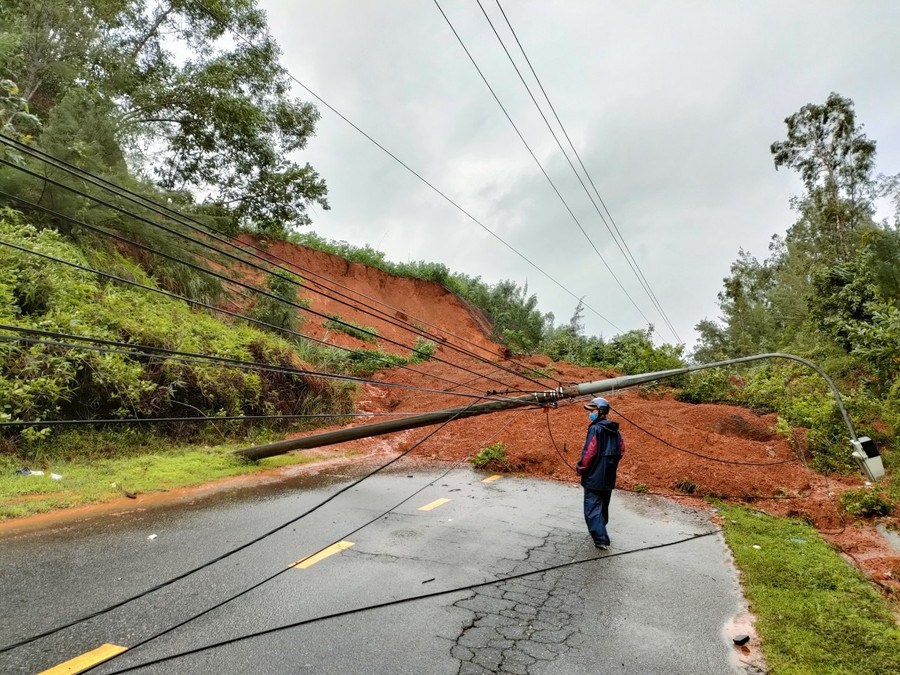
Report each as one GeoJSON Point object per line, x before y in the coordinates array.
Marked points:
{"type": "Point", "coordinates": [593, 417]}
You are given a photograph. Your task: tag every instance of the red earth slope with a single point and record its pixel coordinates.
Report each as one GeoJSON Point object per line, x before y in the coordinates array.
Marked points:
{"type": "Point", "coordinates": [546, 442]}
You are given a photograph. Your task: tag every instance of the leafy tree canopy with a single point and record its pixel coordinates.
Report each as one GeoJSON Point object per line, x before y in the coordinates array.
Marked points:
{"type": "Point", "coordinates": [191, 91]}
{"type": "Point", "coordinates": [835, 160]}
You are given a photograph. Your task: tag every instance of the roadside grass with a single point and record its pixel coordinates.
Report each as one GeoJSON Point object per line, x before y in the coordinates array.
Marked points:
{"type": "Point", "coordinates": [815, 612]}
{"type": "Point", "coordinates": [158, 465]}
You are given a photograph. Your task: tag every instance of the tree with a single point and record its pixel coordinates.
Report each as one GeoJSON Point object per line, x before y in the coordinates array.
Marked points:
{"type": "Point", "coordinates": [747, 308]}
{"type": "Point", "coordinates": [219, 122]}
{"type": "Point", "coordinates": [835, 160]}
{"type": "Point", "coordinates": [16, 120]}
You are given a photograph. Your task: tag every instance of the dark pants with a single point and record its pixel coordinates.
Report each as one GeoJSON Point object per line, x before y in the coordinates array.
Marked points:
{"type": "Point", "coordinates": [596, 514]}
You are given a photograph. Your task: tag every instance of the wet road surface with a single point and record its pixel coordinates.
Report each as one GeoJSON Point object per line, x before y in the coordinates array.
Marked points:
{"type": "Point", "coordinates": [659, 610]}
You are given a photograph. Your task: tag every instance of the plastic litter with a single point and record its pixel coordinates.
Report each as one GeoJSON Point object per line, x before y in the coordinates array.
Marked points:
{"type": "Point", "coordinates": [799, 541]}
{"type": "Point", "coordinates": [24, 471]}
{"type": "Point", "coordinates": [36, 473]}
{"type": "Point", "coordinates": [55, 476]}
{"type": "Point", "coordinates": [151, 537]}
{"type": "Point", "coordinates": [757, 546]}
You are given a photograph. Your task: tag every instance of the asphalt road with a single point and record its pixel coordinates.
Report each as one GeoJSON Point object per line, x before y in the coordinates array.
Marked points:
{"type": "Point", "coordinates": [663, 610]}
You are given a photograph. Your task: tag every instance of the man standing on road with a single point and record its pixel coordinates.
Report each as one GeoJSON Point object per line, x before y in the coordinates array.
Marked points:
{"type": "Point", "coordinates": [600, 457]}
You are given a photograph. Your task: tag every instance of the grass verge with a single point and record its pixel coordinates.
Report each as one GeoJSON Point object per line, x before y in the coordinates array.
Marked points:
{"type": "Point", "coordinates": [157, 467]}
{"type": "Point", "coordinates": [815, 612]}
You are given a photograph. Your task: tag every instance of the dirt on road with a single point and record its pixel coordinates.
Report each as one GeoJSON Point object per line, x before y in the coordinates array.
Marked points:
{"type": "Point", "coordinates": [680, 450]}
{"type": "Point", "coordinates": [685, 451]}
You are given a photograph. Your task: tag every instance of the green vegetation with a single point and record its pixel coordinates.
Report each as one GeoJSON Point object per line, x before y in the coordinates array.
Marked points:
{"type": "Point", "coordinates": [866, 502]}
{"type": "Point", "coordinates": [133, 461]}
{"type": "Point", "coordinates": [104, 85]}
{"type": "Point", "coordinates": [816, 614]}
{"type": "Point", "coordinates": [685, 486]}
{"type": "Point", "coordinates": [351, 328]}
{"type": "Point", "coordinates": [279, 312]}
{"type": "Point", "coordinates": [492, 458]}
{"type": "Point", "coordinates": [828, 292]}
{"type": "Point", "coordinates": [42, 382]}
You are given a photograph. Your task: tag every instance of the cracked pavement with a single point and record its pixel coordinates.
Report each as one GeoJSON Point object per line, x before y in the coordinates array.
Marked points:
{"type": "Point", "coordinates": [520, 623]}
{"type": "Point", "coordinates": [662, 610]}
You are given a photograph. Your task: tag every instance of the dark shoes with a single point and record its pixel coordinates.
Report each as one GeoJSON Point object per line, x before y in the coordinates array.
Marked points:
{"type": "Point", "coordinates": [601, 547]}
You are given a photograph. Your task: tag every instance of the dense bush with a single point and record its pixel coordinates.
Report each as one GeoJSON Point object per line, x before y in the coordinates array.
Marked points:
{"type": "Point", "coordinates": [40, 382]}
{"type": "Point", "coordinates": [271, 310]}
{"type": "Point", "coordinates": [866, 502]}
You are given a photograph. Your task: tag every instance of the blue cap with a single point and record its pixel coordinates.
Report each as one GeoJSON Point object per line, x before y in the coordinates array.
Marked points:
{"type": "Point", "coordinates": [600, 403]}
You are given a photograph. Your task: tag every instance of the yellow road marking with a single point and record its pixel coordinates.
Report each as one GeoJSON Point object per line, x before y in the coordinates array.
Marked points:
{"type": "Point", "coordinates": [491, 479]}
{"type": "Point", "coordinates": [433, 505]}
{"type": "Point", "coordinates": [311, 560]}
{"type": "Point", "coordinates": [86, 660]}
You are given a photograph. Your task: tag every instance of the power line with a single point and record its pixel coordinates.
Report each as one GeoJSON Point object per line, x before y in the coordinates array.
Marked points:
{"type": "Point", "coordinates": [213, 273]}
{"type": "Point", "coordinates": [247, 286]}
{"type": "Point", "coordinates": [626, 252]}
{"type": "Point", "coordinates": [697, 454]}
{"type": "Point", "coordinates": [205, 359]}
{"type": "Point", "coordinates": [537, 161]}
{"type": "Point", "coordinates": [226, 312]}
{"type": "Point", "coordinates": [258, 253]}
{"type": "Point", "coordinates": [225, 555]}
{"type": "Point", "coordinates": [401, 601]}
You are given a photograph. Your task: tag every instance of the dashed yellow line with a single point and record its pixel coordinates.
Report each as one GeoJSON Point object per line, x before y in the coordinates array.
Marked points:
{"type": "Point", "coordinates": [491, 479]}
{"type": "Point", "coordinates": [433, 505]}
{"type": "Point", "coordinates": [311, 560]}
{"type": "Point", "coordinates": [86, 660]}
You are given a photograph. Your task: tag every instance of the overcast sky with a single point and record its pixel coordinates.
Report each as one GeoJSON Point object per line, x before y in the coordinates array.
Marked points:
{"type": "Point", "coordinates": [671, 105]}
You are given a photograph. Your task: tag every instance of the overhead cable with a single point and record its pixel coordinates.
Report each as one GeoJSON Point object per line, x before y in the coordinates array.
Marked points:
{"type": "Point", "coordinates": [414, 598]}
{"type": "Point", "coordinates": [220, 310]}
{"type": "Point", "coordinates": [626, 252]}
{"type": "Point", "coordinates": [262, 292]}
{"type": "Point", "coordinates": [224, 238]}
{"type": "Point", "coordinates": [538, 162]}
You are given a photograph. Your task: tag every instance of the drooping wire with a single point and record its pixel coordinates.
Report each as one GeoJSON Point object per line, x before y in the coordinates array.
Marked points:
{"type": "Point", "coordinates": [553, 441]}
{"type": "Point", "coordinates": [697, 454]}
{"type": "Point", "coordinates": [213, 308]}
{"type": "Point", "coordinates": [216, 274]}
{"type": "Point", "coordinates": [183, 219]}
{"type": "Point", "coordinates": [228, 554]}
{"type": "Point", "coordinates": [538, 162]}
{"type": "Point", "coordinates": [209, 231]}
{"type": "Point", "coordinates": [626, 252]}
{"type": "Point", "coordinates": [401, 601]}
{"type": "Point", "coordinates": [150, 352]}
{"type": "Point", "coordinates": [343, 537]}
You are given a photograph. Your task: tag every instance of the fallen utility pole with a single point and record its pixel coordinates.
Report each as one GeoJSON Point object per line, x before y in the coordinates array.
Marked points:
{"type": "Point", "coordinates": [864, 450]}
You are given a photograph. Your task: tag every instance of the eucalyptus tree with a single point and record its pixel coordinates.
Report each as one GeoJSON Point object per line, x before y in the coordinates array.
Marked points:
{"type": "Point", "coordinates": [836, 160]}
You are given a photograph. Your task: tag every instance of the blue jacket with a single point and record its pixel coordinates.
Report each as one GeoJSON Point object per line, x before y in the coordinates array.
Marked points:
{"type": "Point", "coordinates": [600, 455]}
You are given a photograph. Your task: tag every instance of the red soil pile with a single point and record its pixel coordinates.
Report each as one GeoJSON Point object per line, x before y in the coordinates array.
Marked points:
{"type": "Point", "coordinates": [745, 461]}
